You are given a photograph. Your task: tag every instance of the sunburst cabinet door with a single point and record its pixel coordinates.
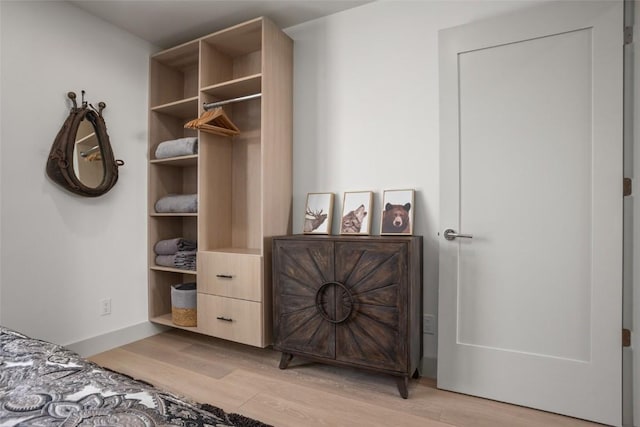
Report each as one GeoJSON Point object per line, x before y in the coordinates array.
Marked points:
{"type": "Point", "coordinates": [375, 295]}
{"type": "Point", "coordinates": [303, 267]}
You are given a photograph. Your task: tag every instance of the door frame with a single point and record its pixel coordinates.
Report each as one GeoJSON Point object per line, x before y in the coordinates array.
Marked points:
{"type": "Point", "coordinates": [631, 222]}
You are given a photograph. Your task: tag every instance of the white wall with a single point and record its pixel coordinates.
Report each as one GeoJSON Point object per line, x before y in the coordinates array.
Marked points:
{"type": "Point", "coordinates": [366, 112]}
{"type": "Point", "coordinates": [62, 253]}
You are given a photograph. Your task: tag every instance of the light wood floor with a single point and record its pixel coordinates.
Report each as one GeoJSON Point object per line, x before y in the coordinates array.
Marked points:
{"type": "Point", "coordinates": [247, 381]}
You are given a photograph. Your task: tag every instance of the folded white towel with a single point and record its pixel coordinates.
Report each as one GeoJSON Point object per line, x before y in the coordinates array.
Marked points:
{"type": "Point", "coordinates": [177, 147]}
{"type": "Point", "coordinates": [178, 203]}
{"type": "Point", "coordinates": [171, 246]}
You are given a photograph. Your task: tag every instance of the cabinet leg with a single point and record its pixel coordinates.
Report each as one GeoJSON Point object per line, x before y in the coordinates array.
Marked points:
{"type": "Point", "coordinates": [403, 386]}
{"type": "Point", "coordinates": [416, 374]}
{"type": "Point", "coordinates": [285, 359]}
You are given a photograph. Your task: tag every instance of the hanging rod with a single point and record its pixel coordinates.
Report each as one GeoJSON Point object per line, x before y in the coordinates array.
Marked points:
{"type": "Point", "coordinates": [89, 151]}
{"type": "Point", "coordinates": [230, 101]}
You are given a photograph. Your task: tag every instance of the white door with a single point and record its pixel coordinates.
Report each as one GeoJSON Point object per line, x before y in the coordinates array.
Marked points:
{"type": "Point", "coordinates": [531, 167]}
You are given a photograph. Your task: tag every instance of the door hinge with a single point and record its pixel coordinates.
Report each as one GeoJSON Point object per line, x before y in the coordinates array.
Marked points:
{"type": "Point", "coordinates": [628, 35]}
{"type": "Point", "coordinates": [626, 338]}
{"type": "Point", "coordinates": [627, 187]}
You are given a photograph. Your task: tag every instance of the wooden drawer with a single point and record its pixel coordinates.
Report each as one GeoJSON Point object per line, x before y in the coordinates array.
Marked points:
{"type": "Point", "coordinates": [230, 275]}
{"type": "Point", "coordinates": [231, 319]}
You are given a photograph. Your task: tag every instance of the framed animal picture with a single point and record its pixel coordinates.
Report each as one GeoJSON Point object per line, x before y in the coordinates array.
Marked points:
{"type": "Point", "coordinates": [318, 213]}
{"type": "Point", "coordinates": [397, 212]}
{"type": "Point", "coordinates": [356, 208]}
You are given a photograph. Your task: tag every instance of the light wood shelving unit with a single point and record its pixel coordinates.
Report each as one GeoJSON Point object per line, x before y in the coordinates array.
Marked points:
{"type": "Point", "coordinates": [243, 182]}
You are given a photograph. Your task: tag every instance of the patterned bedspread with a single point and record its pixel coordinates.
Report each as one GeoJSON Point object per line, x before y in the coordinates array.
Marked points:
{"type": "Point", "coordinates": [42, 384]}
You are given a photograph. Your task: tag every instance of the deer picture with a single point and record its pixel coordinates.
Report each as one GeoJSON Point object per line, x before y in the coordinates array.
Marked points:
{"type": "Point", "coordinates": [313, 220]}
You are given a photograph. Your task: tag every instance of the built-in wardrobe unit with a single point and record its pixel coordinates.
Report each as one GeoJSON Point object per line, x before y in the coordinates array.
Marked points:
{"type": "Point", "coordinates": [243, 182]}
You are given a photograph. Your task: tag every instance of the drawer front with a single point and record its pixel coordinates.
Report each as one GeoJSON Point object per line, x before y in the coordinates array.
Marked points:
{"type": "Point", "coordinates": [230, 275]}
{"type": "Point", "coordinates": [231, 319]}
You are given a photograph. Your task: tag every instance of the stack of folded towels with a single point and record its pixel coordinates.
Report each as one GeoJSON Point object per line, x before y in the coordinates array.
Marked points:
{"type": "Point", "coordinates": [178, 203]}
{"type": "Point", "coordinates": [177, 147]}
{"type": "Point", "coordinates": [176, 253]}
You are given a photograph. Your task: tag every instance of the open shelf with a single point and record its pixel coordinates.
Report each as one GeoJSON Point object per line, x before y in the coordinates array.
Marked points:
{"type": "Point", "coordinates": [180, 57]}
{"type": "Point", "coordinates": [166, 320]}
{"type": "Point", "coordinates": [232, 53]}
{"type": "Point", "coordinates": [243, 251]}
{"type": "Point", "coordinates": [181, 161]}
{"type": "Point", "coordinates": [243, 86]}
{"type": "Point", "coordinates": [174, 74]}
{"type": "Point", "coordinates": [177, 214]}
{"type": "Point", "coordinates": [172, 270]}
{"type": "Point", "coordinates": [239, 40]}
{"type": "Point", "coordinates": [183, 108]}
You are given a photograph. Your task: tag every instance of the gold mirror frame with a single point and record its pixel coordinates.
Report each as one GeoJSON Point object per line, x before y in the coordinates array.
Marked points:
{"type": "Point", "coordinates": [60, 162]}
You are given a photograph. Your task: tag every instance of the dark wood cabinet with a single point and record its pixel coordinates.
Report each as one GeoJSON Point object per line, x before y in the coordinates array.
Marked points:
{"type": "Point", "coordinates": [350, 300]}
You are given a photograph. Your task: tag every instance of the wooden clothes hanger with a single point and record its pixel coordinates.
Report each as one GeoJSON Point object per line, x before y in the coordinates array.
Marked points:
{"type": "Point", "coordinates": [93, 157]}
{"type": "Point", "coordinates": [215, 121]}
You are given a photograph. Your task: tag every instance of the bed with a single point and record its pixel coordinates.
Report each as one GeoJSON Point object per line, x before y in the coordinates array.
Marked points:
{"type": "Point", "coordinates": [43, 384]}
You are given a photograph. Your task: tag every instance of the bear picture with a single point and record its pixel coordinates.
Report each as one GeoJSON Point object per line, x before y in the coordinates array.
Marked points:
{"type": "Point", "coordinates": [396, 219]}
{"type": "Point", "coordinates": [397, 214]}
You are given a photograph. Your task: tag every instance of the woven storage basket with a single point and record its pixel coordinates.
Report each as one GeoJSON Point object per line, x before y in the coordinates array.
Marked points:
{"type": "Point", "coordinates": [183, 304]}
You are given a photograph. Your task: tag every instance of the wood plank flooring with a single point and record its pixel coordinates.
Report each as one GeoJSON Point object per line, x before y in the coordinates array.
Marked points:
{"type": "Point", "coordinates": [246, 380]}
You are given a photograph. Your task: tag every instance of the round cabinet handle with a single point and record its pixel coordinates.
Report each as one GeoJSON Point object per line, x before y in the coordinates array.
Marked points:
{"type": "Point", "coordinates": [226, 319]}
{"type": "Point", "coordinates": [450, 234]}
{"type": "Point", "coordinates": [321, 310]}
{"type": "Point", "coordinates": [224, 276]}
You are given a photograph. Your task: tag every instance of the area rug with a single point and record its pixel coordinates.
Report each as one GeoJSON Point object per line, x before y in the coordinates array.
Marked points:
{"type": "Point", "coordinates": [233, 419]}
{"type": "Point", "coordinates": [215, 414]}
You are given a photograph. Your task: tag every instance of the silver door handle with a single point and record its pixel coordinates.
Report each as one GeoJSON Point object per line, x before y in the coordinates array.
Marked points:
{"type": "Point", "coordinates": [449, 234]}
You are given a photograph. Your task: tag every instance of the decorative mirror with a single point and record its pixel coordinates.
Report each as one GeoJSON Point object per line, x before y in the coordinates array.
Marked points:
{"type": "Point", "coordinates": [81, 159]}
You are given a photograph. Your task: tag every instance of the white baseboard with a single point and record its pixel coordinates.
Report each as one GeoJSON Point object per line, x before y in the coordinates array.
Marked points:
{"type": "Point", "coordinates": [104, 342]}
{"type": "Point", "coordinates": [120, 337]}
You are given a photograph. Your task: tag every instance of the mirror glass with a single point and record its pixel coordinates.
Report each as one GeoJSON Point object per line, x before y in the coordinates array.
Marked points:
{"type": "Point", "coordinates": [88, 159]}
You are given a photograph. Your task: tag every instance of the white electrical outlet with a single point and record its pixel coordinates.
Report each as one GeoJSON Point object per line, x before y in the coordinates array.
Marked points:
{"type": "Point", "coordinates": [428, 324]}
{"type": "Point", "coordinates": [105, 306]}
